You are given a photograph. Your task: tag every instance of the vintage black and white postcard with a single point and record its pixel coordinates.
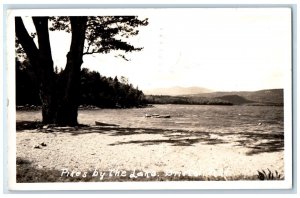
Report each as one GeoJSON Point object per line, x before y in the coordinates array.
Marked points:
{"type": "Point", "coordinates": [177, 98]}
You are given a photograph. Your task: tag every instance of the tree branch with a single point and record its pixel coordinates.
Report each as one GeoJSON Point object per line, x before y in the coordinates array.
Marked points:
{"type": "Point", "coordinates": [88, 48]}
{"type": "Point", "coordinates": [41, 26]}
{"type": "Point", "coordinates": [88, 53]}
{"type": "Point", "coordinates": [27, 43]}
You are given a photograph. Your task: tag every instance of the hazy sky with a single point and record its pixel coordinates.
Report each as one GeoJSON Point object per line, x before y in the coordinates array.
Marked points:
{"type": "Point", "coordinates": [219, 49]}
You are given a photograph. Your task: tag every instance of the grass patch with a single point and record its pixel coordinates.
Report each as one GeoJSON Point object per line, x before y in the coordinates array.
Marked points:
{"type": "Point", "coordinates": [269, 175]}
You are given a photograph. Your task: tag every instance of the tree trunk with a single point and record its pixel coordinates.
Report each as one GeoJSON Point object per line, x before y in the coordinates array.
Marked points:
{"type": "Point", "coordinates": [41, 61]}
{"type": "Point", "coordinates": [47, 75]}
{"type": "Point", "coordinates": [70, 79]}
{"type": "Point", "coordinates": [59, 97]}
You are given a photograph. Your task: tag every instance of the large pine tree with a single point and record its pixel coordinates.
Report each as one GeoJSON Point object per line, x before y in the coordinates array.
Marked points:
{"type": "Point", "coordinates": [94, 34]}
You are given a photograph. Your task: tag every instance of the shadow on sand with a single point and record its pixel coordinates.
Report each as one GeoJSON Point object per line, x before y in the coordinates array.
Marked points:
{"type": "Point", "coordinates": [256, 142]}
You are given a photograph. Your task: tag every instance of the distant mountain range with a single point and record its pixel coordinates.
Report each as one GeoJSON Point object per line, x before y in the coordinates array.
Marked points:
{"type": "Point", "coordinates": [261, 97]}
{"type": "Point", "coordinates": [177, 91]}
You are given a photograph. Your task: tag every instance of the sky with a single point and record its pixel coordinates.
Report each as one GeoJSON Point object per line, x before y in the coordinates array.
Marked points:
{"type": "Point", "coordinates": [221, 49]}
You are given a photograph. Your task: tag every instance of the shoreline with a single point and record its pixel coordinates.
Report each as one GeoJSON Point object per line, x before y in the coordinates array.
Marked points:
{"type": "Point", "coordinates": [81, 107]}
{"type": "Point", "coordinates": [92, 107]}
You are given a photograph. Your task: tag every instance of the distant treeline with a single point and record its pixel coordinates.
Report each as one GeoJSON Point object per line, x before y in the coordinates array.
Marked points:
{"type": "Point", "coordinates": [96, 90]}
{"type": "Point", "coordinates": [161, 99]}
{"type": "Point", "coordinates": [108, 92]}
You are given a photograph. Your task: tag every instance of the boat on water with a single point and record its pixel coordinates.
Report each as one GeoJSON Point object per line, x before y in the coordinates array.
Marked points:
{"type": "Point", "coordinates": [157, 116]}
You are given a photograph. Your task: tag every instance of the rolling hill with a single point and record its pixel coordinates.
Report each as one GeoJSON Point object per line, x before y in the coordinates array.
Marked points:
{"type": "Point", "coordinates": [261, 97]}
{"type": "Point", "coordinates": [180, 95]}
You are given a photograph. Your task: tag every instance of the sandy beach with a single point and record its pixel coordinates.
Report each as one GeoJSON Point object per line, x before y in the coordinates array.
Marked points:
{"type": "Point", "coordinates": [117, 148]}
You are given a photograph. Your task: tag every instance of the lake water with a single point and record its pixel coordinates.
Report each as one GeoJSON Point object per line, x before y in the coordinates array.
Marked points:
{"type": "Point", "coordinates": [206, 118]}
